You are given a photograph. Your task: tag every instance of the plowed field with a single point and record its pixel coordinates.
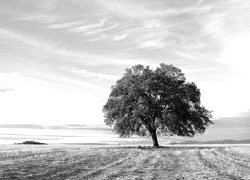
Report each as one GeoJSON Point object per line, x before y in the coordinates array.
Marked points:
{"type": "Point", "coordinates": [93, 162]}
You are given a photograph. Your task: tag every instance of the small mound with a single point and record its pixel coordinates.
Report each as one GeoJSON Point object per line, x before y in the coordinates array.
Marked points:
{"type": "Point", "coordinates": [32, 143]}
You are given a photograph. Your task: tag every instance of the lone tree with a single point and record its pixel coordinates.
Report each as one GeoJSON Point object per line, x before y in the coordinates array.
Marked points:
{"type": "Point", "coordinates": [146, 101]}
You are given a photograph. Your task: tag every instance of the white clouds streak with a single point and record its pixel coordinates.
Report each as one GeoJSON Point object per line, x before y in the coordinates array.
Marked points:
{"type": "Point", "coordinates": [102, 29]}
{"type": "Point", "coordinates": [100, 76]}
{"type": "Point", "coordinates": [65, 25]}
{"type": "Point", "coordinates": [88, 44]}
{"type": "Point", "coordinates": [120, 37]}
{"type": "Point", "coordinates": [159, 43]}
{"type": "Point", "coordinates": [87, 27]}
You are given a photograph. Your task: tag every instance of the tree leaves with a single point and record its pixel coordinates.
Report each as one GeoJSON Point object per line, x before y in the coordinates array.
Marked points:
{"type": "Point", "coordinates": [161, 99]}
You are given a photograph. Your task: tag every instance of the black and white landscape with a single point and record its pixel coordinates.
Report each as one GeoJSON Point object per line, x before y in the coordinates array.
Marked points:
{"type": "Point", "coordinates": [85, 86]}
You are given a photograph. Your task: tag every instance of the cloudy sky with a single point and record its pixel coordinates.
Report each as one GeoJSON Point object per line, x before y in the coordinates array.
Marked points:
{"type": "Point", "coordinates": [58, 58]}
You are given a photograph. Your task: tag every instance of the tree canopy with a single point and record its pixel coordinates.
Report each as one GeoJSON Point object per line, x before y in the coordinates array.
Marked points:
{"type": "Point", "coordinates": [149, 101]}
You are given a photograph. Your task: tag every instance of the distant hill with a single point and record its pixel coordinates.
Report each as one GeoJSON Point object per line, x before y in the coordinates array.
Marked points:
{"type": "Point", "coordinates": [226, 141]}
{"type": "Point", "coordinates": [32, 143]}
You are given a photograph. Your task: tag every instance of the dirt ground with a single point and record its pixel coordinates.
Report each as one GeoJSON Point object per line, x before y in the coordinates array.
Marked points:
{"type": "Point", "coordinates": [104, 162]}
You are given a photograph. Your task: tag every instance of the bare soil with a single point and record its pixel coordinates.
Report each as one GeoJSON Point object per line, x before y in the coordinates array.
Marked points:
{"type": "Point", "coordinates": [104, 162]}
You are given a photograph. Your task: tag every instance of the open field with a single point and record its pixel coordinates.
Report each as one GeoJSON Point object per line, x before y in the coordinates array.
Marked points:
{"type": "Point", "coordinates": [107, 162]}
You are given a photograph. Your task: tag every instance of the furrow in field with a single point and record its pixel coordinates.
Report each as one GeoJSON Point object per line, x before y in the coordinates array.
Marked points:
{"type": "Point", "coordinates": [29, 165]}
{"type": "Point", "coordinates": [125, 163]}
{"type": "Point", "coordinates": [102, 165]}
{"type": "Point", "coordinates": [166, 165]}
{"type": "Point", "coordinates": [58, 164]}
{"type": "Point", "coordinates": [136, 166]}
{"type": "Point", "coordinates": [225, 167]}
{"type": "Point", "coordinates": [239, 159]}
{"type": "Point", "coordinates": [143, 164]}
{"type": "Point", "coordinates": [147, 165]}
{"type": "Point", "coordinates": [193, 168]}
{"type": "Point", "coordinates": [90, 164]}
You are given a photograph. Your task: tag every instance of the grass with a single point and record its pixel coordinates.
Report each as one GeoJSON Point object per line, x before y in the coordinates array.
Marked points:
{"type": "Point", "coordinates": [107, 162]}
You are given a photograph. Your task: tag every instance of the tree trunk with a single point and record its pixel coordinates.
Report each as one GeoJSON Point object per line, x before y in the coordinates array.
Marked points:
{"type": "Point", "coordinates": [154, 138]}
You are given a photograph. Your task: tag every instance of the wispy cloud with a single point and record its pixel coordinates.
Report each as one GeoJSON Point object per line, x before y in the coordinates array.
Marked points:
{"type": "Point", "coordinates": [120, 37]}
{"type": "Point", "coordinates": [42, 18]}
{"type": "Point", "coordinates": [87, 27]}
{"type": "Point", "coordinates": [101, 76]}
{"type": "Point", "coordinates": [158, 43]}
{"type": "Point", "coordinates": [102, 29]}
{"type": "Point", "coordinates": [88, 44]}
{"type": "Point", "coordinates": [65, 25]}
{"type": "Point", "coordinates": [5, 90]}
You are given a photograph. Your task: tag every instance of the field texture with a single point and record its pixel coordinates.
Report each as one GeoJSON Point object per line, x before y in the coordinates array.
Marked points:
{"type": "Point", "coordinates": [86, 162]}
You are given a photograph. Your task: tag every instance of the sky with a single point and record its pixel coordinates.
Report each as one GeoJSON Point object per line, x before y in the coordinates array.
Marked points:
{"type": "Point", "coordinates": [59, 58]}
